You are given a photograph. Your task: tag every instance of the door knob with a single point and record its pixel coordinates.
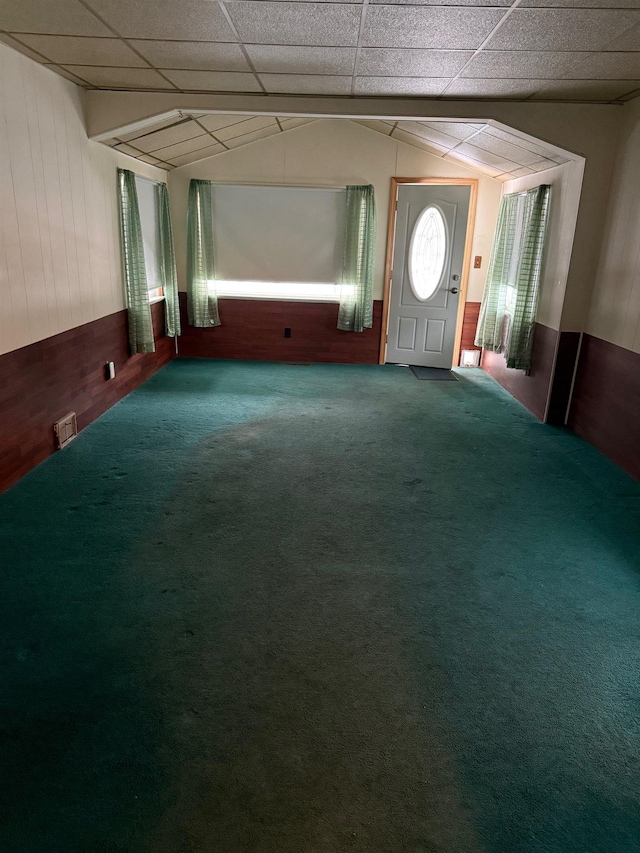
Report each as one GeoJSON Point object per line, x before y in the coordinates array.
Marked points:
{"type": "Point", "coordinates": [453, 289]}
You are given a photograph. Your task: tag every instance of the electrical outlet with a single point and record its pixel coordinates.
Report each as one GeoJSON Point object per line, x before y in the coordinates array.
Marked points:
{"type": "Point", "coordinates": [287, 332]}
{"type": "Point", "coordinates": [477, 262]}
{"type": "Point", "coordinates": [109, 370]}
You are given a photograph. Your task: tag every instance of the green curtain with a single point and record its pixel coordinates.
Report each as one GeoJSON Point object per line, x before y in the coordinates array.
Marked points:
{"type": "Point", "coordinates": [516, 262]}
{"type": "Point", "coordinates": [202, 302]}
{"type": "Point", "coordinates": [139, 311]}
{"type": "Point", "coordinates": [168, 264]}
{"type": "Point", "coordinates": [356, 300]}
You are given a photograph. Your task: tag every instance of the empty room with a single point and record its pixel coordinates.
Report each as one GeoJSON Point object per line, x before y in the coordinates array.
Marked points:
{"type": "Point", "coordinates": [320, 426]}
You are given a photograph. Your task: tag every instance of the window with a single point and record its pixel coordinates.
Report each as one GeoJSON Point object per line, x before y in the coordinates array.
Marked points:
{"type": "Point", "coordinates": [150, 225]}
{"type": "Point", "coordinates": [510, 293]}
{"type": "Point", "coordinates": [427, 252]}
{"type": "Point", "coordinates": [278, 242]}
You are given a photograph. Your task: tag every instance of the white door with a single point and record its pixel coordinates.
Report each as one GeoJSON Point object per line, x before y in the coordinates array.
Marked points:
{"type": "Point", "coordinates": [428, 253]}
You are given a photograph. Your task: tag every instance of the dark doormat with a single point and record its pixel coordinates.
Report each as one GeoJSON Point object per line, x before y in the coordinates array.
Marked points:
{"type": "Point", "coordinates": [439, 373]}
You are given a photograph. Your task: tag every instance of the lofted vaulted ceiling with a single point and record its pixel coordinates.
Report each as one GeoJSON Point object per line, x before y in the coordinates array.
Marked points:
{"type": "Point", "coordinates": [485, 147]}
{"type": "Point", "coordinates": [559, 50]}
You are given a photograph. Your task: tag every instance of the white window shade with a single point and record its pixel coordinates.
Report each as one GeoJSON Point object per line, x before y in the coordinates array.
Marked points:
{"type": "Point", "coordinates": [278, 234]}
{"type": "Point", "coordinates": [149, 214]}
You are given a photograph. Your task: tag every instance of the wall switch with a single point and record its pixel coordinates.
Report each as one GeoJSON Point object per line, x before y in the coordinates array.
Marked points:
{"type": "Point", "coordinates": [477, 262]}
{"type": "Point", "coordinates": [287, 332]}
{"type": "Point", "coordinates": [109, 370]}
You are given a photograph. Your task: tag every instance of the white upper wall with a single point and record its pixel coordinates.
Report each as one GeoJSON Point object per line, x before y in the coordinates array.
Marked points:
{"type": "Point", "coordinates": [60, 261]}
{"type": "Point", "coordinates": [337, 152]}
{"type": "Point", "coordinates": [614, 313]}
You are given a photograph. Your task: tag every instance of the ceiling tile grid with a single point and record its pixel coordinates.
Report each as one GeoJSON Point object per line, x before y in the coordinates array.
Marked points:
{"type": "Point", "coordinates": [558, 50]}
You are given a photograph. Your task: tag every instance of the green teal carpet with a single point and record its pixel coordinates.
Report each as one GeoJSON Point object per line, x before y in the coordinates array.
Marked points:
{"type": "Point", "coordinates": [269, 609]}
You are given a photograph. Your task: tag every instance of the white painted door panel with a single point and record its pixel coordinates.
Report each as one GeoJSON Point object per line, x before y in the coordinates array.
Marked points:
{"type": "Point", "coordinates": [422, 331]}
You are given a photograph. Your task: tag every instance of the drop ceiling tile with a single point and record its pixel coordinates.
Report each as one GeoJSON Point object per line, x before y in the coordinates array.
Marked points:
{"type": "Point", "coordinates": [16, 45]}
{"type": "Point", "coordinates": [237, 141]}
{"type": "Point", "coordinates": [543, 165]}
{"type": "Point", "coordinates": [217, 122]}
{"type": "Point", "coordinates": [280, 59]}
{"type": "Point", "coordinates": [203, 56]}
{"type": "Point", "coordinates": [631, 95]}
{"type": "Point", "coordinates": [522, 172]}
{"type": "Point", "coordinates": [296, 23]}
{"type": "Point", "coordinates": [478, 165]}
{"type": "Point", "coordinates": [428, 26]}
{"type": "Point", "coordinates": [387, 62]}
{"type": "Point", "coordinates": [508, 150]}
{"type": "Point", "coordinates": [147, 158]}
{"type": "Point", "coordinates": [170, 153]}
{"type": "Point", "coordinates": [457, 129]}
{"type": "Point", "coordinates": [306, 84]}
{"type": "Point", "coordinates": [628, 40]}
{"type": "Point", "coordinates": [201, 154]}
{"type": "Point", "coordinates": [75, 50]}
{"type": "Point", "coordinates": [463, 87]}
{"type": "Point", "coordinates": [120, 78]}
{"type": "Point", "coordinates": [607, 66]}
{"type": "Point", "coordinates": [248, 126]}
{"type": "Point", "coordinates": [467, 149]}
{"type": "Point", "coordinates": [400, 85]}
{"type": "Point", "coordinates": [149, 128]}
{"type": "Point", "coordinates": [290, 123]}
{"type": "Point", "coordinates": [64, 17]}
{"type": "Point", "coordinates": [560, 29]}
{"type": "Point", "coordinates": [197, 20]}
{"type": "Point", "coordinates": [424, 131]}
{"type": "Point", "coordinates": [493, 3]}
{"type": "Point", "coordinates": [214, 81]}
{"type": "Point", "coordinates": [418, 142]}
{"type": "Point", "coordinates": [524, 64]}
{"type": "Point", "coordinates": [586, 90]}
{"type": "Point", "coordinates": [539, 149]}
{"type": "Point", "coordinates": [379, 126]}
{"type": "Point", "coordinates": [583, 4]}
{"type": "Point", "coordinates": [127, 149]}
{"type": "Point", "coordinates": [63, 72]}
{"type": "Point", "coordinates": [169, 136]}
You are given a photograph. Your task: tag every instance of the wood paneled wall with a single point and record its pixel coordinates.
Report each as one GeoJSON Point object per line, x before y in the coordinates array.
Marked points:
{"type": "Point", "coordinates": [469, 324]}
{"type": "Point", "coordinates": [605, 408]}
{"type": "Point", "coordinates": [60, 261]}
{"type": "Point", "coordinates": [41, 383]}
{"type": "Point", "coordinates": [253, 329]}
{"type": "Point", "coordinates": [531, 390]}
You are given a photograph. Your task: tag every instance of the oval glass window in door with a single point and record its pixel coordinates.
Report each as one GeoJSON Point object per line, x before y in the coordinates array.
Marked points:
{"type": "Point", "coordinates": [427, 252]}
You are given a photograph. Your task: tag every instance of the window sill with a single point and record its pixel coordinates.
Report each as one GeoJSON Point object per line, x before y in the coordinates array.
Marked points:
{"type": "Point", "coordinates": [272, 297]}
{"type": "Point", "coordinates": [155, 299]}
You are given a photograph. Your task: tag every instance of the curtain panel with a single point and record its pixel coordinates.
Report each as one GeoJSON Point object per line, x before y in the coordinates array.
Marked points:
{"type": "Point", "coordinates": [356, 301]}
{"type": "Point", "coordinates": [167, 261]}
{"type": "Point", "coordinates": [135, 276]}
{"type": "Point", "coordinates": [202, 302]}
{"type": "Point", "coordinates": [510, 300]}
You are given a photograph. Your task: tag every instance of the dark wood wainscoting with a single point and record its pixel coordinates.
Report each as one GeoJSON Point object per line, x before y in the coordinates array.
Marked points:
{"type": "Point", "coordinates": [41, 383]}
{"type": "Point", "coordinates": [605, 407]}
{"type": "Point", "coordinates": [253, 329]}
{"type": "Point", "coordinates": [530, 389]}
{"type": "Point", "coordinates": [469, 324]}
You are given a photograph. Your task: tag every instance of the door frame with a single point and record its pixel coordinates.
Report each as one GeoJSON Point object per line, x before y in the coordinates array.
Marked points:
{"type": "Point", "coordinates": [396, 183]}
